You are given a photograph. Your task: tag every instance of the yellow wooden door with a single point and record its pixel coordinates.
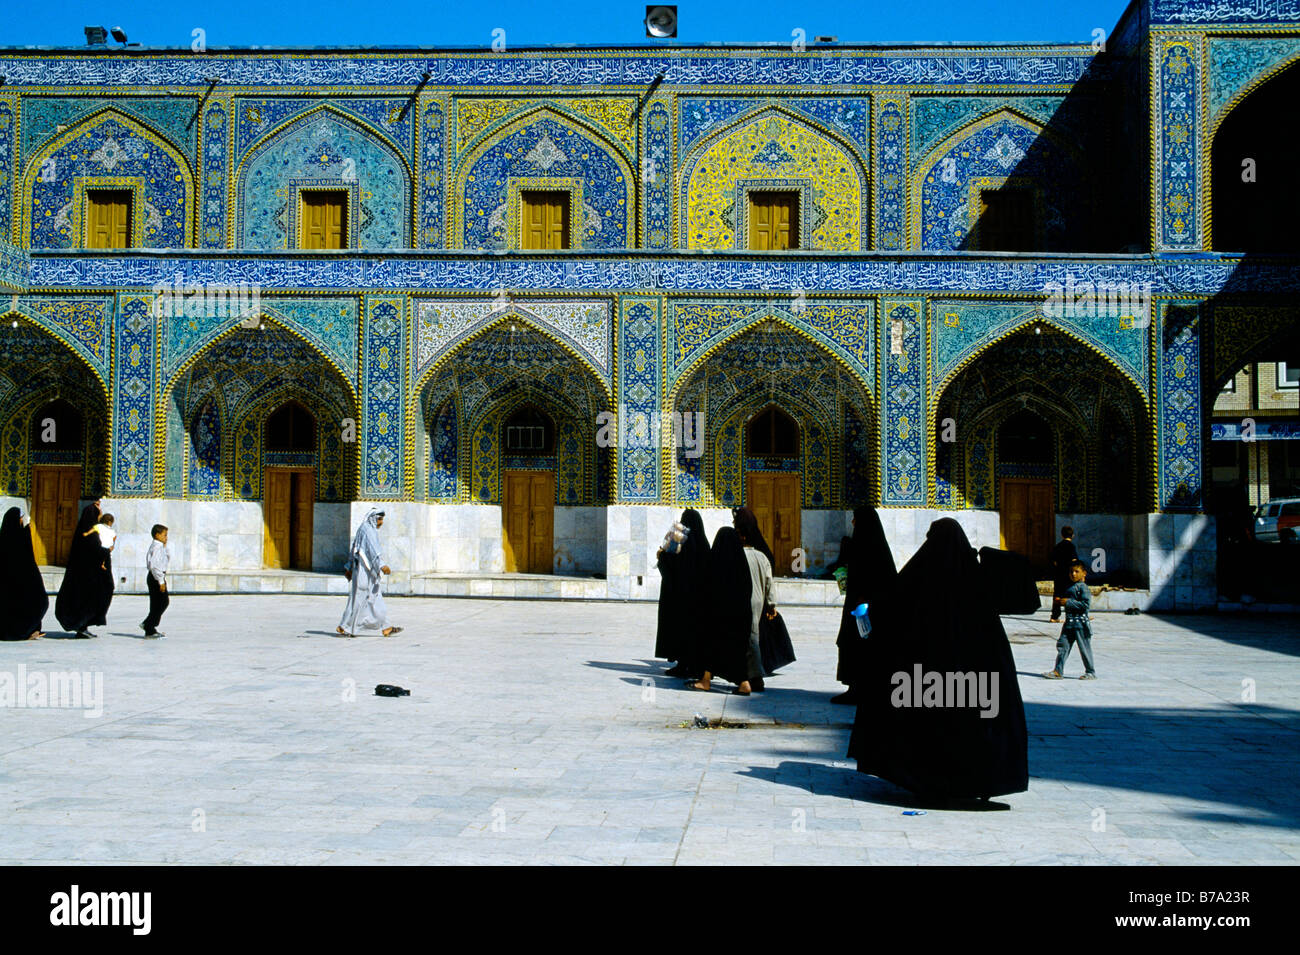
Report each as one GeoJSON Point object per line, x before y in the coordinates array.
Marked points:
{"type": "Point", "coordinates": [276, 510]}
{"type": "Point", "coordinates": [56, 493]}
{"type": "Point", "coordinates": [774, 499]}
{"type": "Point", "coordinates": [545, 219]}
{"type": "Point", "coordinates": [773, 219]}
{"type": "Point", "coordinates": [541, 522]}
{"type": "Point", "coordinates": [1028, 517]}
{"type": "Point", "coordinates": [528, 514]}
{"type": "Point", "coordinates": [108, 219]}
{"type": "Point", "coordinates": [300, 519]}
{"type": "Point", "coordinates": [324, 220]}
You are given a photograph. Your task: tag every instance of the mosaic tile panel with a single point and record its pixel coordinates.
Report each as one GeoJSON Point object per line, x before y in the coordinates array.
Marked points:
{"type": "Point", "coordinates": [891, 172]}
{"type": "Point", "coordinates": [902, 404]}
{"type": "Point", "coordinates": [382, 454]}
{"type": "Point", "coordinates": [255, 117]}
{"type": "Point", "coordinates": [82, 323]}
{"type": "Point", "coordinates": [215, 173]}
{"type": "Point", "coordinates": [657, 179]}
{"type": "Point", "coordinates": [773, 147]}
{"type": "Point", "coordinates": [542, 154]}
{"type": "Point", "coordinates": [323, 148]}
{"type": "Point", "coordinates": [204, 480]}
{"type": "Point", "coordinates": [441, 325]}
{"type": "Point", "coordinates": [1177, 214]}
{"type": "Point", "coordinates": [1235, 63]}
{"type": "Point", "coordinates": [934, 118]}
{"type": "Point", "coordinates": [431, 232]}
{"type": "Point", "coordinates": [135, 384]}
{"type": "Point", "coordinates": [443, 454]}
{"type": "Point", "coordinates": [8, 165]}
{"type": "Point", "coordinates": [613, 115]}
{"type": "Point", "coordinates": [170, 116]}
{"type": "Point", "coordinates": [640, 394]}
{"type": "Point", "coordinates": [115, 151]}
{"type": "Point", "coordinates": [1179, 408]}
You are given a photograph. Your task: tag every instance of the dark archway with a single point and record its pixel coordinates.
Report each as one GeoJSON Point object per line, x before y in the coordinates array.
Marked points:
{"type": "Point", "coordinates": [1257, 213]}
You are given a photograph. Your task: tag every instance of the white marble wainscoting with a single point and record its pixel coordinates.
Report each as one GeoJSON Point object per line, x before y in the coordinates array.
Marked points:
{"type": "Point", "coordinates": [1182, 552]}
{"type": "Point", "coordinates": [579, 536]}
{"type": "Point", "coordinates": [1122, 538]}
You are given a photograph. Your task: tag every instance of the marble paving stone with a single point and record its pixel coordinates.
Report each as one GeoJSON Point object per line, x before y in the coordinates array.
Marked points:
{"type": "Point", "coordinates": [542, 732]}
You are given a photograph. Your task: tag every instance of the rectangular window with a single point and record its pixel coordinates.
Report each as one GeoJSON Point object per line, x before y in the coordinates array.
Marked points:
{"type": "Point", "coordinates": [544, 219]}
{"type": "Point", "coordinates": [1006, 220]}
{"type": "Point", "coordinates": [324, 219]}
{"type": "Point", "coordinates": [108, 218]}
{"type": "Point", "coordinates": [773, 221]}
{"type": "Point", "coordinates": [1288, 377]}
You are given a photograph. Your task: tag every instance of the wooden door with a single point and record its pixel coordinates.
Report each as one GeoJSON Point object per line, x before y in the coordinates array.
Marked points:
{"type": "Point", "coordinates": [773, 221]}
{"type": "Point", "coordinates": [1028, 517]}
{"type": "Point", "coordinates": [324, 220]}
{"type": "Point", "coordinates": [108, 219]}
{"type": "Point", "coordinates": [287, 510]}
{"type": "Point", "coordinates": [276, 507]}
{"type": "Point", "coordinates": [300, 518]}
{"type": "Point", "coordinates": [56, 494]}
{"type": "Point", "coordinates": [774, 499]}
{"type": "Point", "coordinates": [544, 219]}
{"type": "Point", "coordinates": [528, 515]}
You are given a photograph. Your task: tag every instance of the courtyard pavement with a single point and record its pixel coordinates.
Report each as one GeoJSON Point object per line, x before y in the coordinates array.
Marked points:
{"type": "Point", "coordinates": [545, 732]}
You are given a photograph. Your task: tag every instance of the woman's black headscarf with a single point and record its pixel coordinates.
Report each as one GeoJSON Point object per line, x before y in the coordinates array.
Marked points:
{"type": "Point", "coordinates": [683, 595]}
{"type": "Point", "coordinates": [871, 578]}
{"type": "Point", "coordinates": [87, 587]}
{"type": "Point", "coordinates": [727, 640]}
{"type": "Point", "coordinates": [23, 601]}
{"type": "Point", "coordinates": [940, 619]}
{"type": "Point", "coordinates": [746, 522]}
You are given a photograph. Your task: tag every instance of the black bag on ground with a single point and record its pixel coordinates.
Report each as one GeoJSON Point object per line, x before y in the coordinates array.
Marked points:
{"type": "Point", "coordinates": [1009, 581]}
{"type": "Point", "coordinates": [774, 643]}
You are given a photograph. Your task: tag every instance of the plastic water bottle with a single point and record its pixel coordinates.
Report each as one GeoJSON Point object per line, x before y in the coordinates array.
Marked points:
{"type": "Point", "coordinates": [859, 614]}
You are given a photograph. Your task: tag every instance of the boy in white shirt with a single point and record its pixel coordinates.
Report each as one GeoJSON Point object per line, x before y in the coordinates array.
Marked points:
{"type": "Point", "coordinates": [156, 561]}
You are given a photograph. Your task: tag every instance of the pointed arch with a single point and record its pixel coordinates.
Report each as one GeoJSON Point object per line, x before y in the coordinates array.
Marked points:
{"type": "Point", "coordinates": [925, 166]}
{"type": "Point", "coordinates": [692, 201]}
{"type": "Point", "coordinates": [495, 130]}
{"type": "Point", "coordinates": [37, 169]}
{"type": "Point", "coordinates": [281, 134]}
{"type": "Point", "coordinates": [612, 188]}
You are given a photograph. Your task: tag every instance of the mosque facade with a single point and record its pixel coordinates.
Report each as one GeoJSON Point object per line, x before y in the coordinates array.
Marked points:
{"type": "Point", "coordinates": [534, 302]}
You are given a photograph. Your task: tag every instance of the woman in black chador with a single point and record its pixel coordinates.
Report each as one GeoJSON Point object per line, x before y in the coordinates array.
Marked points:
{"type": "Point", "coordinates": [910, 730]}
{"type": "Point", "coordinates": [683, 599]}
{"type": "Point", "coordinates": [871, 576]}
{"type": "Point", "coordinates": [745, 522]}
{"type": "Point", "coordinates": [87, 588]}
{"type": "Point", "coordinates": [23, 601]}
{"type": "Point", "coordinates": [725, 649]}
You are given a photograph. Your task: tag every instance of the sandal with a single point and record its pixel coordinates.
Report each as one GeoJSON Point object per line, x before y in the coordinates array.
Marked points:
{"type": "Point", "coordinates": [739, 692]}
{"type": "Point", "coordinates": [392, 630]}
{"type": "Point", "coordinates": [695, 685]}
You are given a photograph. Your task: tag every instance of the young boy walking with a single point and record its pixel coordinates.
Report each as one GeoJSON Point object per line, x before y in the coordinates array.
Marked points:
{"type": "Point", "coordinates": [1076, 604]}
{"type": "Point", "coordinates": [156, 561]}
{"type": "Point", "coordinates": [1063, 555]}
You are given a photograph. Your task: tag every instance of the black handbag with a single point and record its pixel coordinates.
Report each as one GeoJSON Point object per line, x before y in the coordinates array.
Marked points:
{"type": "Point", "coordinates": [774, 643]}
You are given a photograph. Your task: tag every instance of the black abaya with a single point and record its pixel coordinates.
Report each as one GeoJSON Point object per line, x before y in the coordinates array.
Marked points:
{"type": "Point", "coordinates": [726, 644]}
{"type": "Point", "coordinates": [87, 587]}
{"type": "Point", "coordinates": [939, 618]}
{"type": "Point", "coordinates": [683, 597]}
{"type": "Point", "coordinates": [23, 601]}
{"type": "Point", "coordinates": [871, 576]}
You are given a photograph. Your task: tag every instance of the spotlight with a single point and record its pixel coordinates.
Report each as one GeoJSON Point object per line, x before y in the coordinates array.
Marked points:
{"type": "Point", "coordinates": [119, 34]}
{"type": "Point", "coordinates": [661, 22]}
{"type": "Point", "coordinates": [96, 36]}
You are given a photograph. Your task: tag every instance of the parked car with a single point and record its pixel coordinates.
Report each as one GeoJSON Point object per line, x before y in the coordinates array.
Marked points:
{"type": "Point", "coordinates": [1278, 520]}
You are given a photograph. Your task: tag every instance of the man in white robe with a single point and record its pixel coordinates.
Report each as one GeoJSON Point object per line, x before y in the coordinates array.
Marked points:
{"type": "Point", "coordinates": [364, 568]}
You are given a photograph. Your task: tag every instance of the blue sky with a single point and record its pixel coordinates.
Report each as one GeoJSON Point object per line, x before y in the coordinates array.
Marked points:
{"type": "Point", "coordinates": [528, 22]}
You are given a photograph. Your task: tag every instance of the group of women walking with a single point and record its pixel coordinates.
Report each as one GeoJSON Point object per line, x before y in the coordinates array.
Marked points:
{"type": "Point", "coordinates": [87, 587]}
{"type": "Point", "coordinates": [934, 616]}
{"type": "Point", "coordinates": [713, 602]}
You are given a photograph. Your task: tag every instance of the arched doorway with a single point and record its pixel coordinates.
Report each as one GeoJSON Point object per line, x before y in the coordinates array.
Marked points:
{"type": "Point", "coordinates": [510, 418]}
{"type": "Point", "coordinates": [57, 443]}
{"type": "Point", "coordinates": [260, 417]}
{"type": "Point", "coordinates": [787, 430]}
{"type": "Point", "coordinates": [528, 492]}
{"type": "Point", "coordinates": [289, 489]}
{"type": "Point", "coordinates": [772, 482]}
{"type": "Point", "coordinates": [1044, 431]}
{"type": "Point", "coordinates": [1254, 200]}
{"type": "Point", "coordinates": [53, 433]}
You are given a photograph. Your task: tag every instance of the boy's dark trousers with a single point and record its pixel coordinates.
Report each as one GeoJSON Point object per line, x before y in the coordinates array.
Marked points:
{"type": "Point", "coordinates": [1070, 635]}
{"type": "Point", "coordinates": [158, 601]}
